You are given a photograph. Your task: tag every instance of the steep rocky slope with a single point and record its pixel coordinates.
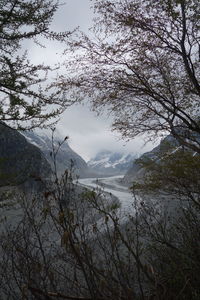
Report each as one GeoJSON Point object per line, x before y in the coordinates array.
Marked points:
{"type": "Point", "coordinates": [20, 161]}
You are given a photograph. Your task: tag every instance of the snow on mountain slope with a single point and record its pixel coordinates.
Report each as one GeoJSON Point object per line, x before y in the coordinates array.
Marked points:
{"type": "Point", "coordinates": [110, 163]}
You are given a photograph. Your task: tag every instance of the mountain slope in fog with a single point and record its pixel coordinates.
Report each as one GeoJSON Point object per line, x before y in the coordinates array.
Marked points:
{"type": "Point", "coordinates": [66, 158]}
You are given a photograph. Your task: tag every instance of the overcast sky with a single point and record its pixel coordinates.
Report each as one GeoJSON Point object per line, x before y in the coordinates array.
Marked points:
{"type": "Point", "coordinates": [88, 133]}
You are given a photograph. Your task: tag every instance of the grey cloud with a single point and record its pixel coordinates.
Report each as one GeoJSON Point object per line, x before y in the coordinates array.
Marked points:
{"type": "Point", "coordinates": [89, 134]}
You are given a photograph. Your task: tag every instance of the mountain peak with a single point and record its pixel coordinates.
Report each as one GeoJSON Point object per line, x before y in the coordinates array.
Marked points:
{"type": "Point", "coordinates": [110, 163]}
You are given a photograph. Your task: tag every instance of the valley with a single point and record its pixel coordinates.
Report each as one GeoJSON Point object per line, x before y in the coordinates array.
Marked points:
{"type": "Point", "coordinates": [112, 186]}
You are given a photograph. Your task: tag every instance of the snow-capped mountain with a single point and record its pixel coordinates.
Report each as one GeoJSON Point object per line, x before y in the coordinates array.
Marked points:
{"type": "Point", "coordinates": [110, 163]}
{"type": "Point", "coordinates": [66, 158]}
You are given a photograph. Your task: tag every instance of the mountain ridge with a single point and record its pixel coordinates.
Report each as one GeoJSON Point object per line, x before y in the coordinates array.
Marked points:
{"type": "Point", "coordinates": [167, 146]}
